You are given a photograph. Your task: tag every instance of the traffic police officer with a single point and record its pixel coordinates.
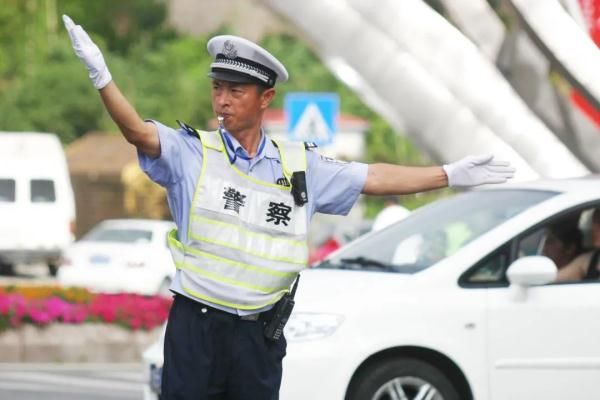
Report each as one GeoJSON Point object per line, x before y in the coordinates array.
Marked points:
{"type": "Point", "coordinates": [242, 204]}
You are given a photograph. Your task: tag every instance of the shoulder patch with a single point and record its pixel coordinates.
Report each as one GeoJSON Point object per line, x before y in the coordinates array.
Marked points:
{"type": "Point", "coordinates": [310, 145]}
{"type": "Point", "coordinates": [188, 129]}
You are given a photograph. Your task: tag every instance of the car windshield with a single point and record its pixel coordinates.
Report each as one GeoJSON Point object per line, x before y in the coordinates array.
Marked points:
{"type": "Point", "coordinates": [119, 235]}
{"type": "Point", "coordinates": [435, 231]}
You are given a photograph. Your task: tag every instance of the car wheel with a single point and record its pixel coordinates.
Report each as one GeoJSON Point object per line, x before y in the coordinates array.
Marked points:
{"type": "Point", "coordinates": [403, 378]}
{"type": "Point", "coordinates": [163, 289]}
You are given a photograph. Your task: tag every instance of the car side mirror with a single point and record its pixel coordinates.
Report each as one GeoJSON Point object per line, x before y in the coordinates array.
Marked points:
{"type": "Point", "coordinates": [531, 271]}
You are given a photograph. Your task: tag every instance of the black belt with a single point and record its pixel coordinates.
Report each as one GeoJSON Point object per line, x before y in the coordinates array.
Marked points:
{"type": "Point", "coordinates": [204, 308]}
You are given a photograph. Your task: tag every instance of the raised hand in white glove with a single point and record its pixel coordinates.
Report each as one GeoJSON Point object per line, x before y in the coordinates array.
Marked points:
{"type": "Point", "coordinates": [89, 53]}
{"type": "Point", "coordinates": [477, 170]}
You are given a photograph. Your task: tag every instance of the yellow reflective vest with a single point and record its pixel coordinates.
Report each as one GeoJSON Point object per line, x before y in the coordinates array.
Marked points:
{"type": "Point", "coordinates": [247, 238]}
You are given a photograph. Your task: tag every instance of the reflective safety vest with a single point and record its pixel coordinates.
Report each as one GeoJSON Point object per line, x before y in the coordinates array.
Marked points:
{"type": "Point", "coordinates": [246, 240]}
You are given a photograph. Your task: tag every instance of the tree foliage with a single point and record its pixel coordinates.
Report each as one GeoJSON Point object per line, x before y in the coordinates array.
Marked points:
{"type": "Point", "coordinates": [121, 23]}
{"type": "Point", "coordinates": [56, 96]}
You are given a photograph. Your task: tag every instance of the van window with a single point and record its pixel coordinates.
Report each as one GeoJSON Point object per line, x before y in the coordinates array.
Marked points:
{"type": "Point", "coordinates": [7, 190]}
{"type": "Point", "coordinates": [42, 191]}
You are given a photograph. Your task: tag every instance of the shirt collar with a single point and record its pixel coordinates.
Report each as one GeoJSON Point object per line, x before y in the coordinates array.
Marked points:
{"type": "Point", "coordinates": [235, 149]}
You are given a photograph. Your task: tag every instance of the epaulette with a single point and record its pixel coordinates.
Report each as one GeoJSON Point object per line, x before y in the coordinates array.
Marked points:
{"type": "Point", "coordinates": [188, 129]}
{"type": "Point", "coordinates": [307, 145]}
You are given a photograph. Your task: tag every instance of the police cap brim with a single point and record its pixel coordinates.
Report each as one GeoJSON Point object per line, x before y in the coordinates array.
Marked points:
{"type": "Point", "coordinates": [230, 76]}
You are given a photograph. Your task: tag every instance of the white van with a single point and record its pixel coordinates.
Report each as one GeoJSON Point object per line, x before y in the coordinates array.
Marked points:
{"type": "Point", "coordinates": [37, 206]}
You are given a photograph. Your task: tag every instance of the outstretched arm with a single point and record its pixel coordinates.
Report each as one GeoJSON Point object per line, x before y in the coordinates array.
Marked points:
{"type": "Point", "coordinates": [141, 134]}
{"type": "Point", "coordinates": [389, 179]}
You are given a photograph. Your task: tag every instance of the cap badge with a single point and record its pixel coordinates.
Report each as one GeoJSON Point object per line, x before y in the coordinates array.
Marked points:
{"type": "Point", "coordinates": [229, 50]}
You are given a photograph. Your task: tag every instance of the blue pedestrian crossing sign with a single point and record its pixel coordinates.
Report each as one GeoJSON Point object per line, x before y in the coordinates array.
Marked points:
{"type": "Point", "coordinates": [311, 117]}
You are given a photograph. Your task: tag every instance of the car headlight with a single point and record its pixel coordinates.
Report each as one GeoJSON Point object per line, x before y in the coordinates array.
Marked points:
{"type": "Point", "coordinates": [311, 326]}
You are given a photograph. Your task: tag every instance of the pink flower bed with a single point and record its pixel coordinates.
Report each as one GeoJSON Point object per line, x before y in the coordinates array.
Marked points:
{"type": "Point", "coordinates": [128, 310]}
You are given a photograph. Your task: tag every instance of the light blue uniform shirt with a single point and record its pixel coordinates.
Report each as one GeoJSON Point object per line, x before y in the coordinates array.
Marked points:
{"type": "Point", "coordinates": [333, 186]}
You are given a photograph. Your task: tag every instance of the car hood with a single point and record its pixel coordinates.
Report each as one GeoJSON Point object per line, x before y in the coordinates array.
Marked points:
{"type": "Point", "coordinates": [325, 290]}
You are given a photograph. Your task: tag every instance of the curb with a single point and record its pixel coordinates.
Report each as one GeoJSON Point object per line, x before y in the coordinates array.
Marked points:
{"type": "Point", "coordinates": [71, 343]}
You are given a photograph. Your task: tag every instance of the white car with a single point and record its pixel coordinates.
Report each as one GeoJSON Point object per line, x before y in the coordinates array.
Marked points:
{"type": "Point", "coordinates": [121, 255]}
{"type": "Point", "coordinates": [453, 302]}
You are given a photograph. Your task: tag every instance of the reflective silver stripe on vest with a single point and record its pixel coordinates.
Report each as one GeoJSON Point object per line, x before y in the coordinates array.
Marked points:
{"type": "Point", "coordinates": [218, 289]}
{"type": "Point", "coordinates": [241, 238]}
{"type": "Point", "coordinates": [246, 238]}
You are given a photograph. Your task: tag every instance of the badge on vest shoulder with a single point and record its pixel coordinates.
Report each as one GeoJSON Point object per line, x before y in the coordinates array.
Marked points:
{"type": "Point", "coordinates": [283, 181]}
{"type": "Point", "coordinates": [310, 145]}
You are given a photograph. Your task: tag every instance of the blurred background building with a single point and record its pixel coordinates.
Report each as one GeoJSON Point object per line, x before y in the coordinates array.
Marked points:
{"type": "Point", "coordinates": [108, 183]}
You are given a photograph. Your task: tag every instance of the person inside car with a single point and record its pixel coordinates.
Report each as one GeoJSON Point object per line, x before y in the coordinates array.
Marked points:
{"type": "Point", "coordinates": [564, 242]}
{"type": "Point", "coordinates": [585, 266]}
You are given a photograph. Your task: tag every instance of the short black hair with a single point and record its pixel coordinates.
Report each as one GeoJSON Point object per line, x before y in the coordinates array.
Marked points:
{"type": "Point", "coordinates": [567, 231]}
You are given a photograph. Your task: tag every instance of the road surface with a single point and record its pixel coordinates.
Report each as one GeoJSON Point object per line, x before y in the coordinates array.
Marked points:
{"type": "Point", "coordinates": [71, 381]}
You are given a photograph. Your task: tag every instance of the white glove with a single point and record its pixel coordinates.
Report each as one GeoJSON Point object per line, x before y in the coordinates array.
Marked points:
{"type": "Point", "coordinates": [477, 170]}
{"type": "Point", "coordinates": [89, 53]}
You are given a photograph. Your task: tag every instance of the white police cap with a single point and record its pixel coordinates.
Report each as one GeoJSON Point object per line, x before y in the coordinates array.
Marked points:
{"type": "Point", "coordinates": [239, 60]}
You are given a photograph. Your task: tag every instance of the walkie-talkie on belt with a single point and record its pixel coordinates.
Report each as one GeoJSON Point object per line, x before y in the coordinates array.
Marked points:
{"type": "Point", "coordinates": [283, 309]}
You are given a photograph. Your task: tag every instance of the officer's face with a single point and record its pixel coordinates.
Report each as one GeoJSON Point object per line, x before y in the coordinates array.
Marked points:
{"type": "Point", "coordinates": [240, 104]}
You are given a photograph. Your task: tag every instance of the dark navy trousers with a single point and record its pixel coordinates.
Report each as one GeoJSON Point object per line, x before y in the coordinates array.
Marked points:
{"type": "Point", "coordinates": [210, 354]}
